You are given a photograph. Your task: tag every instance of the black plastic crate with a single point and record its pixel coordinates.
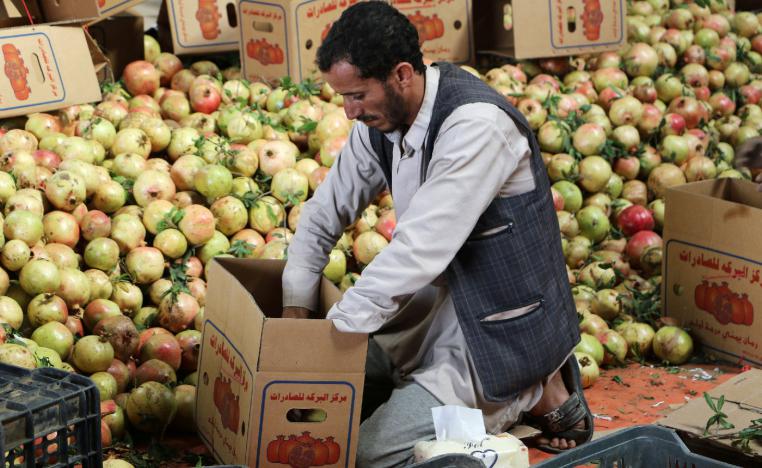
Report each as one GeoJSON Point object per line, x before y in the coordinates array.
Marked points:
{"type": "Point", "coordinates": [48, 417]}
{"type": "Point", "coordinates": [638, 446]}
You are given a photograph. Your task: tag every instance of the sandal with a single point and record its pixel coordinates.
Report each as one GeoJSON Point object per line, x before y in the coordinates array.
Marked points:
{"type": "Point", "coordinates": [561, 422]}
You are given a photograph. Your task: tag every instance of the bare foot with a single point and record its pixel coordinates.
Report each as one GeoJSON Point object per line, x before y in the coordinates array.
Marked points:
{"type": "Point", "coordinates": [554, 395]}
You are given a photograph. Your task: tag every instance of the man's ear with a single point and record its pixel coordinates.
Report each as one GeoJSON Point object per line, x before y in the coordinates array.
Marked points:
{"type": "Point", "coordinates": [403, 74]}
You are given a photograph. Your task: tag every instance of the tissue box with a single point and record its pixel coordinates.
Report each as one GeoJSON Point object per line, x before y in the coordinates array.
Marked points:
{"type": "Point", "coordinates": [500, 451]}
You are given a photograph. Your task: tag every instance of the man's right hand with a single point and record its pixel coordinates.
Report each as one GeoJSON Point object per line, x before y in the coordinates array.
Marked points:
{"type": "Point", "coordinates": [296, 312]}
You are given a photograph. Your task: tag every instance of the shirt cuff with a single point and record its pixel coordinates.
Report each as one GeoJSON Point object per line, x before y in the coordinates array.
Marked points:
{"type": "Point", "coordinates": [301, 288]}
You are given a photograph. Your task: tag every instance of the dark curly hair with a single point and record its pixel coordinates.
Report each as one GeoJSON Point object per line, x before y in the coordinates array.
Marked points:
{"type": "Point", "coordinates": [374, 37]}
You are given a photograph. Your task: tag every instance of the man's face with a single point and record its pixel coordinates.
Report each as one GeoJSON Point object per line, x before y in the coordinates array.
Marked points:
{"type": "Point", "coordinates": [376, 103]}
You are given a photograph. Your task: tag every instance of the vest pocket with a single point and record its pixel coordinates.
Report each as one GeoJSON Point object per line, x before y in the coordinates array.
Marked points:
{"type": "Point", "coordinates": [489, 233]}
{"type": "Point", "coordinates": [512, 314]}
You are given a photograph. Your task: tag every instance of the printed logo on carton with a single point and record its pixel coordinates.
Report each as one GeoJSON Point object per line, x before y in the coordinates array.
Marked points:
{"type": "Point", "coordinates": [714, 293]}
{"type": "Point", "coordinates": [32, 75]}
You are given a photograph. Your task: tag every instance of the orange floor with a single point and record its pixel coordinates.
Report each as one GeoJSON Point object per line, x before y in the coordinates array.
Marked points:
{"type": "Point", "coordinates": [620, 398]}
{"type": "Point", "coordinates": [643, 395]}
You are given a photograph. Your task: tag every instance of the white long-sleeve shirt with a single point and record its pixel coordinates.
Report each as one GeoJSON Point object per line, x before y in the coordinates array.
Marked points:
{"type": "Point", "coordinates": [479, 154]}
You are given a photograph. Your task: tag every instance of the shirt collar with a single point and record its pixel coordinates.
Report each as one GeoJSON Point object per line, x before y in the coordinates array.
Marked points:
{"type": "Point", "coordinates": [416, 134]}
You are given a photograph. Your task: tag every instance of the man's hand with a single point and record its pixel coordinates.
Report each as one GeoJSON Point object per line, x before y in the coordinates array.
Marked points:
{"type": "Point", "coordinates": [296, 312]}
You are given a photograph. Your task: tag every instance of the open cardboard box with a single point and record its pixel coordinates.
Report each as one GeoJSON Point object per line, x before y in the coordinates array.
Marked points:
{"type": "Point", "coordinates": [121, 39]}
{"type": "Point", "coordinates": [198, 26]}
{"type": "Point", "coordinates": [281, 37]}
{"type": "Point", "coordinates": [712, 270]}
{"type": "Point", "coordinates": [45, 66]}
{"type": "Point", "coordinates": [263, 377]}
{"type": "Point", "coordinates": [525, 29]}
{"type": "Point", "coordinates": [743, 404]}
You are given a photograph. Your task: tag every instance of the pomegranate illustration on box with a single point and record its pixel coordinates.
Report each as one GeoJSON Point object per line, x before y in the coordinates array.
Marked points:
{"type": "Point", "coordinates": [429, 27]}
{"type": "Point", "coordinates": [592, 18]}
{"type": "Point", "coordinates": [264, 52]}
{"type": "Point", "coordinates": [16, 71]}
{"type": "Point", "coordinates": [227, 404]}
{"type": "Point", "coordinates": [208, 17]}
{"type": "Point", "coordinates": [724, 304]}
{"type": "Point", "coordinates": [303, 451]}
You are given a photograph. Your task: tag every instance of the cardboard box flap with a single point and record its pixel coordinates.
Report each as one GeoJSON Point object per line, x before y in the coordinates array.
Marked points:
{"type": "Point", "coordinates": [13, 13]}
{"type": "Point", "coordinates": [46, 75]}
{"type": "Point", "coordinates": [227, 293]}
{"type": "Point", "coordinates": [745, 390]}
{"type": "Point", "coordinates": [317, 347]}
{"type": "Point", "coordinates": [68, 10]}
{"type": "Point", "coordinates": [101, 63]}
{"type": "Point", "coordinates": [731, 190]}
{"type": "Point", "coordinates": [743, 395]}
{"type": "Point", "coordinates": [258, 278]}
{"type": "Point", "coordinates": [734, 202]}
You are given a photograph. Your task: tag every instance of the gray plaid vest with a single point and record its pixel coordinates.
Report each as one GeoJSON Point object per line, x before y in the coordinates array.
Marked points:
{"type": "Point", "coordinates": [519, 265]}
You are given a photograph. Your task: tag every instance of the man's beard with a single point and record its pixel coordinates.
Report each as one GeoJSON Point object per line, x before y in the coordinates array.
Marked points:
{"type": "Point", "coordinates": [393, 110]}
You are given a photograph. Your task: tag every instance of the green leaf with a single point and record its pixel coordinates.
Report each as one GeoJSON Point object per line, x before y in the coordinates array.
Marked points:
{"type": "Point", "coordinates": [240, 249]}
{"type": "Point", "coordinates": [307, 127]}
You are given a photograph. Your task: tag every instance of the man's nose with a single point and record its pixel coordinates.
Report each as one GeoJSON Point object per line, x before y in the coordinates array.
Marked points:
{"type": "Point", "coordinates": [353, 111]}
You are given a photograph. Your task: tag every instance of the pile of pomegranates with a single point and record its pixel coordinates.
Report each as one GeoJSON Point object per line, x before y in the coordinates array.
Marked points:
{"type": "Point", "coordinates": [111, 211]}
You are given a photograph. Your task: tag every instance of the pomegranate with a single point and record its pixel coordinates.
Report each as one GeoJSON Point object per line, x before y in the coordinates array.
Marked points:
{"type": "Point", "coordinates": [40, 276]}
{"type": "Point", "coordinates": [128, 232]}
{"type": "Point", "coordinates": [213, 181]}
{"type": "Point", "coordinates": [128, 297]}
{"type": "Point", "coordinates": [588, 369]}
{"type": "Point", "coordinates": [17, 355]}
{"type": "Point", "coordinates": [102, 253]}
{"type": "Point", "coordinates": [672, 345]}
{"type": "Point", "coordinates": [639, 242]}
{"type": "Point", "coordinates": [132, 140]}
{"type": "Point", "coordinates": [92, 354]}
{"type": "Point", "coordinates": [197, 224]}
{"type": "Point", "coordinates": [663, 177]}
{"type": "Point", "coordinates": [155, 370]}
{"type": "Point", "coordinates": [120, 331]}
{"type": "Point", "coordinates": [95, 224]}
{"type": "Point", "coordinates": [24, 226]}
{"type": "Point", "coordinates": [266, 214]}
{"type": "Point", "coordinates": [74, 288]}
{"type": "Point", "coordinates": [277, 155]}
{"type": "Point", "coordinates": [634, 219]}
{"type": "Point", "coordinates": [190, 343]}
{"type": "Point", "coordinates": [151, 407]}
{"type": "Point", "coordinates": [145, 264]}
{"type": "Point", "coordinates": [65, 190]}
{"type": "Point", "coordinates": [184, 169]}
{"type": "Point", "coordinates": [10, 312]}
{"type": "Point", "coordinates": [141, 77]}
{"type": "Point", "coordinates": [61, 227]}
{"type": "Point", "coordinates": [162, 346]}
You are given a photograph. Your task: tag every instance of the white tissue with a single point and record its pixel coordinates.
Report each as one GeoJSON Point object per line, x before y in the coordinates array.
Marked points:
{"type": "Point", "coordinates": [458, 423]}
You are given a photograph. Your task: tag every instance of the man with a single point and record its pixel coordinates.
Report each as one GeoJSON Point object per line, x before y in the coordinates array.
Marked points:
{"type": "Point", "coordinates": [469, 304]}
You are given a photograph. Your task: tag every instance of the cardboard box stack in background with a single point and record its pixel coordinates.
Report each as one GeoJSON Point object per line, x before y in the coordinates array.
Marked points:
{"type": "Point", "coordinates": [91, 10]}
{"type": "Point", "coordinates": [545, 28]}
{"type": "Point", "coordinates": [121, 39]}
{"type": "Point", "coordinates": [198, 26]}
{"type": "Point", "coordinates": [712, 273]}
{"type": "Point", "coordinates": [281, 37]}
{"type": "Point", "coordinates": [47, 67]}
{"type": "Point", "coordinates": [264, 379]}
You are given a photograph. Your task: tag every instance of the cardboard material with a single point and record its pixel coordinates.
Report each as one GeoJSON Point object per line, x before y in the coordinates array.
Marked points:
{"type": "Point", "coordinates": [712, 273]}
{"type": "Point", "coordinates": [743, 403]}
{"type": "Point", "coordinates": [199, 26]}
{"type": "Point", "coordinates": [13, 13]}
{"type": "Point", "coordinates": [545, 28]}
{"type": "Point", "coordinates": [260, 376]}
{"type": "Point", "coordinates": [121, 39]}
{"type": "Point", "coordinates": [281, 37]}
{"type": "Point", "coordinates": [87, 11]}
{"type": "Point", "coordinates": [42, 73]}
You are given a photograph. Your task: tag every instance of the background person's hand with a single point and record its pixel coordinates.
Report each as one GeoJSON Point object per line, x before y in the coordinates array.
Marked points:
{"type": "Point", "coordinates": [296, 312]}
